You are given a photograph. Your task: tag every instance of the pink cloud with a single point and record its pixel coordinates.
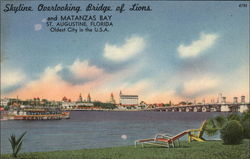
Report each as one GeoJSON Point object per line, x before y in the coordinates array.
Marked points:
{"type": "Point", "coordinates": [200, 84]}
{"type": "Point", "coordinates": [82, 69]}
{"type": "Point", "coordinates": [51, 86]}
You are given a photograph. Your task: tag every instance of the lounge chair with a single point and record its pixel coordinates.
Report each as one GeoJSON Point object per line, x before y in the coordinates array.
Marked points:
{"type": "Point", "coordinates": [164, 140]}
{"type": "Point", "coordinates": [196, 134]}
{"type": "Point", "coordinates": [167, 140]}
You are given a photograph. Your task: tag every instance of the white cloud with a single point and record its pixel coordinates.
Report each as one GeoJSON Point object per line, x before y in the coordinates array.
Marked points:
{"type": "Point", "coordinates": [196, 47]}
{"type": "Point", "coordinates": [129, 49]}
{"type": "Point", "coordinates": [51, 72]}
{"type": "Point", "coordinates": [11, 78]}
{"type": "Point", "coordinates": [200, 84]}
{"type": "Point", "coordinates": [37, 27]}
{"type": "Point", "coordinates": [82, 69]}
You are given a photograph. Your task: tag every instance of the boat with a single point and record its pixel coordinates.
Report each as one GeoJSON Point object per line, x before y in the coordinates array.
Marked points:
{"type": "Point", "coordinates": [39, 114]}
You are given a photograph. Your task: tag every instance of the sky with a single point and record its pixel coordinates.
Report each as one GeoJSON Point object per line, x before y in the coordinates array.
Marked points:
{"type": "Point", "coordinates": [178, 51]}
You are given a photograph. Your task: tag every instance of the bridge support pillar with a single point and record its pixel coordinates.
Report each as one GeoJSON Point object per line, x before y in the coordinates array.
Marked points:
{"type": "Point", "coordinates": [225, 108]}
{"type": "Point", "coordinates": [243, 108]}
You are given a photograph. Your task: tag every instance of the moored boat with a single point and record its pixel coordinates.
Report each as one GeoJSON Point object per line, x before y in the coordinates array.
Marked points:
{"type": "Point", "coordinates": [39, 114]}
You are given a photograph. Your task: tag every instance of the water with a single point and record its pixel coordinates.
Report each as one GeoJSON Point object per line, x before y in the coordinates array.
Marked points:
{"type": "Point", "coordinates": [89, 129]}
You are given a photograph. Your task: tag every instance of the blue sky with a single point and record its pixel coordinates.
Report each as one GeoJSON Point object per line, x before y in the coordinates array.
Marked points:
{"type": "Point", "coordinates": [177, 51]}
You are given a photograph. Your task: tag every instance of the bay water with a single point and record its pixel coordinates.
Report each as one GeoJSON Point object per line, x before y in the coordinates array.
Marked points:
{"type": "Point", "coordinates": [97, 129]}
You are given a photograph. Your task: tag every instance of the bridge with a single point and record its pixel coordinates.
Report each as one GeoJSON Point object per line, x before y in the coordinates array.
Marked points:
{"type": "Point", "coordinates": [223, 107]}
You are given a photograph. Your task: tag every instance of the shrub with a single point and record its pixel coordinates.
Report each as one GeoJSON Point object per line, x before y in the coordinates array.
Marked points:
{"type": "Point", "coordinates": [232, 132]}
{"type": "Point", "coordinates": [16, 144]}
{"type": "Point", "coordinates": [245, 116]}
{"type": "Point", "coordinates": [246, 129]}
{"type": "Point", "coordinates": [234, 116]}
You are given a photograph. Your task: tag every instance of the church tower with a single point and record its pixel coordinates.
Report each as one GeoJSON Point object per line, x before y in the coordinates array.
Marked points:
{"type": "Point", "coordinates": [89, 98]}
{"type": "Point", "coordinates": [80, 98]}
{"type": "Point", "coordinates": [112, 100]}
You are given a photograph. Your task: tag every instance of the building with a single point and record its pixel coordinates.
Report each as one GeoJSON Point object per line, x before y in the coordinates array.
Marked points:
{"type": "Point", "coordinates": [243, 99]}
{"type": "Point", "coordinates": [128, 100]}
{"type": "Point", "coordinates": [224, 100]}
{"type": "Point", "coordinates": [89, 98]}
{"type": "Point", "coordinates": [84, 104]}
{"type": "Point", "coordinates": [219, 99]}
{"type": "Point", "coordinates": [112, 99]}
{"type": "Point", "coordinates": [4, 102]}
{"type": "Point", "coordinates": [80, 98]}
{"type": "Point", "coordinates": [235, 100]}
{"type": "Point", "coordinates": [68, 105]}
{"type": "Point", "coordinates": [79, 104]}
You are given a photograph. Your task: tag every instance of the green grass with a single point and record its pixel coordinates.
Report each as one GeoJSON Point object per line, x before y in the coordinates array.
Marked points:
{"type": "Point", "coordinates": [194, 150]}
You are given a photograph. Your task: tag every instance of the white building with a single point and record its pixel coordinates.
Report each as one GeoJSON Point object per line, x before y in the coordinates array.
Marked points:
{"type": "Point", "coordinates": [85, 104]}
{"type": "Point", "coordinates": [129, 100]}
{"type": "Point", "coordinates": [68, 105]}
{"type": "Point", "coordinates": [219, 100]}
{"type": "Point", "coordinates": [4, 102]}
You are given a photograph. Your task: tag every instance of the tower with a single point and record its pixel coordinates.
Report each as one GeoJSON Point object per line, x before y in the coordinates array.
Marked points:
{"type": "Point", "coordinates": [203, 101]}
{"type": "Point", "coordinates": [89, 98]}
{"type": "Point", "coordinates": [120, 97]}
{"type": "Point", "coordinates": [242, 99]}
{"type": "Point", "coordinates": [224, 100]}
{"type": "Point", "coordinates": [235, 100]}
{"type": "Point", "coordinates": [112, 100]}
{"type": "Point", "coordinates": [219, 100]}
{"type": "Point", "coordinates": [80, 98]}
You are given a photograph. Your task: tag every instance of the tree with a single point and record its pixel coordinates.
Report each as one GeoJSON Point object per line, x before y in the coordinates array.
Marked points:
{"type": "Point", "coordinates": [220, 124]}
{"type": "Point", "coordinates": [246, 129]}
{"type": "Point", "coordinates": [182, 103]}
{"type": "Point", "coordinates": [16, 144]}
{"type": "Point", "coordinates": [245, 121]}
{"type": "Point", "coordinates": [104, 105]}
{"type": "Point", "coordinates": [232, 132]}
{"type": "Point", "coordinates": [213, 125]}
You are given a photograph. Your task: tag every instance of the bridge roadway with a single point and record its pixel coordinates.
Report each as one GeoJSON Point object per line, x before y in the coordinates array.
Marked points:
{"type": "Point", "coordinates": [226, 107]}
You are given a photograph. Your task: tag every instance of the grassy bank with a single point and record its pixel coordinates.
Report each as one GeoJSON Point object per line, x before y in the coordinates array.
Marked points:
{"type": "Point", "coordinates": [194, 150]}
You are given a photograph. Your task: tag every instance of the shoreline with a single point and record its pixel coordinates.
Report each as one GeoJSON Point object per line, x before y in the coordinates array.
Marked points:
{"type": "Point", "coordinates": [11, 117]}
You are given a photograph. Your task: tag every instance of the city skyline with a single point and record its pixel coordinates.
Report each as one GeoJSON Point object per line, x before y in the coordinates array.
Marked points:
{"type": "Point", "coordinates": [175, 52]}
{"type": "Point", "coordinates": [116, 99]}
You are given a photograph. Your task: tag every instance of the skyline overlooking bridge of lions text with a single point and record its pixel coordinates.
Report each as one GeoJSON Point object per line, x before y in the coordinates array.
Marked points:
{"type": "Point", "coordinates": [176, 52]}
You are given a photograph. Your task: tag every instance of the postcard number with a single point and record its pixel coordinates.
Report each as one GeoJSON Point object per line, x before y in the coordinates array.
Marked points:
{"type": "Point", "coordinates": [243, 5]}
